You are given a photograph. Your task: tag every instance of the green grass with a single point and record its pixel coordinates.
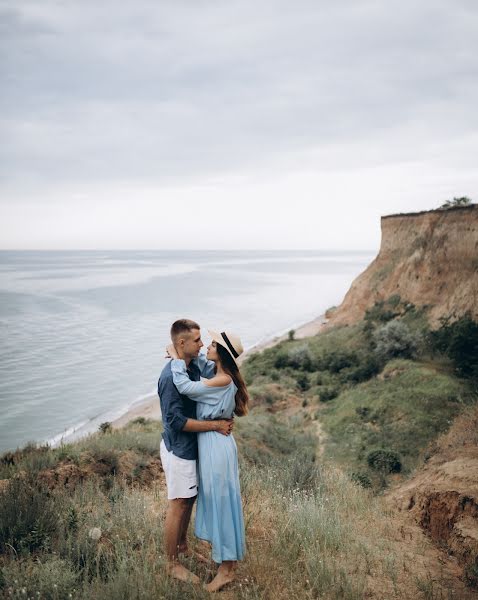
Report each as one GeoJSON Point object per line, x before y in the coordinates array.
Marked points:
{"type": "Point", "coordinates": [308, 530]}
{"type": "Point", "coordinates": [364, 402]}
{"type": "Point", "coordinates": [403, 412]}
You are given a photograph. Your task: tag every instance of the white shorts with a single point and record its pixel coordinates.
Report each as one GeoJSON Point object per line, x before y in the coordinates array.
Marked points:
{"type": "Point", "coordinates": [181, 474]}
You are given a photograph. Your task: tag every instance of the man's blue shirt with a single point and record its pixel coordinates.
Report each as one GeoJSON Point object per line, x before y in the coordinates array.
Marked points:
{"type": "Point", "coordinates": [176, 409]}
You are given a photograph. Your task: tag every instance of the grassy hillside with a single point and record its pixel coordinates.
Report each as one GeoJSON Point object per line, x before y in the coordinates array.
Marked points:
{"type": "Point", "coordinates": [86, 520]}
{"type": "Point", "coordinates": [380, 390]}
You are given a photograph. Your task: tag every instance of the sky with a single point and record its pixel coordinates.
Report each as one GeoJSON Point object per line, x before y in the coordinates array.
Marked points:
{"type": "Point", "coordinates": [224, 124]}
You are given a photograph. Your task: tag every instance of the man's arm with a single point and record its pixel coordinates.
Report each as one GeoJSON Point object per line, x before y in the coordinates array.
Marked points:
{"type": "Point", "coordinates": [221, 426]}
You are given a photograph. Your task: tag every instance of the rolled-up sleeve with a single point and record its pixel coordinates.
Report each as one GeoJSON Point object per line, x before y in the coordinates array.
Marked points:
{"type": "Point", "coordinates": [172, 400]}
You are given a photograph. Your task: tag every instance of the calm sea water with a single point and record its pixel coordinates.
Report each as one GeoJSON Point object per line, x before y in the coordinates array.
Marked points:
{"type": "Point", "coordinates": [83, 333]}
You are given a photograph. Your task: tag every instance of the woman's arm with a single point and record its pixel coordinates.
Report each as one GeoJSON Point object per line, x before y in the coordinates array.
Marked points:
{"type": "Point", "coordinates": [195, 390]}
{"type": "Point", "coordinates": [206, 367]}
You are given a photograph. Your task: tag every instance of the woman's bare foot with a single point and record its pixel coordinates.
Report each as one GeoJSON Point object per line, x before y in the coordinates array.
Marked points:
{"type": "Point", "coordinates": [179, 572]}
{"type": "Point", "coordinates": [224, 576]}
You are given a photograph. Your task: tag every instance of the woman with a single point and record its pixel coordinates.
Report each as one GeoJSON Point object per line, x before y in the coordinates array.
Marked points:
{"type": "Point", "coordinates": [219, 518]}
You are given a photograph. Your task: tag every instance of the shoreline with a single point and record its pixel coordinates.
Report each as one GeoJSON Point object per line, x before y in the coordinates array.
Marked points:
{"type": "Point", "coordinates": [149, 408]}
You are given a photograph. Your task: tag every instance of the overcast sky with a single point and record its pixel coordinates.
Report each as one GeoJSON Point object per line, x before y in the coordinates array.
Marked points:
{"type": "Point", "coordinates": [232, 124]}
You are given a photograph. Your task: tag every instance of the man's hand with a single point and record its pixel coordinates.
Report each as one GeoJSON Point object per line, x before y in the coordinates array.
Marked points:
{"type": "Point", "coordinates": [225, 426]}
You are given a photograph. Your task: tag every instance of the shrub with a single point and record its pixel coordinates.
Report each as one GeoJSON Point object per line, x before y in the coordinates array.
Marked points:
{"type": "Point", "coordinates": [290, 335]}
{"type": "Point", "coordinates": [337, 360]}
{"type": "Point", "coordinates": [379, 313]}
{"type": "Point", "coordinates": [471, 574]}
{"type": "Point", "coordinates": [459, 341]}
{"type": "Point", "coordinates": [394, 339]}
{"type": "Point", "coordinates": [327, 393]}
{"type": "Point", "coordinates": [385, 461]}
{"type": "Point", "coordinates": [361, 479]}
{"type": "Point", "coordinates": [298, 357]}
{"type": "Point", "coordinates": [394, 300]}
{"type": "Point", "coordinates": [363, 412]}
{"type": "Point", "coordinates": [105, 427]}
{"type": "Point", "coordinates": [303, 381]}
{"type": "Point", "coordinates": [28, 515]}
{"type": "Point", "coordinates": [104, 461]}
{"type": "Point", "coordinates": [461, 201]}
{"type": "Point", "coordinates": [368, 367]}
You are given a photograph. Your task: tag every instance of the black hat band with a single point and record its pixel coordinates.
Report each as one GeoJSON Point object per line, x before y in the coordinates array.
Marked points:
{"type": "Point", "coordinates": [229, 345]}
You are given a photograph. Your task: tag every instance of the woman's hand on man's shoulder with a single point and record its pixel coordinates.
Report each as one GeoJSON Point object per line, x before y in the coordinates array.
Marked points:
{"type": "Point", "coordinates": [218, 380]}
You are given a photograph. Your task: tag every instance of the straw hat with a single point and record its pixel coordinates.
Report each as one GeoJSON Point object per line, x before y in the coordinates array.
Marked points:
{"type": "Point", "coordinates": [229, 341]}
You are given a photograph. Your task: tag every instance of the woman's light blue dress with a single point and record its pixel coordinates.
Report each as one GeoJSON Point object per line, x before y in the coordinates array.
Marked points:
{"type": "Point", "coordinates": [219, 517]}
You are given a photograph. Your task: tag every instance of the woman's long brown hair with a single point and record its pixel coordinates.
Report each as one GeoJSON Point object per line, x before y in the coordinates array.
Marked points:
{"type": "Point", "coordinates": [230, 367]}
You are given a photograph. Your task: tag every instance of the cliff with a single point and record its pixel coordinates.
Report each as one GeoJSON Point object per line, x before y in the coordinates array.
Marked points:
{"type": "Point", "coordinates": [428, 258]}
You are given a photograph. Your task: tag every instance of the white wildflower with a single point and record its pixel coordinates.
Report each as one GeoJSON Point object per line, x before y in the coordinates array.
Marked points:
{"type": "Point", "coordinates": [94, 533]}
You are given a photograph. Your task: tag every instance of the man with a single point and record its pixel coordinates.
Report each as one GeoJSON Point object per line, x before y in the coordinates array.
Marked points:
{"type": "Point", "coordinates": [179, 445]}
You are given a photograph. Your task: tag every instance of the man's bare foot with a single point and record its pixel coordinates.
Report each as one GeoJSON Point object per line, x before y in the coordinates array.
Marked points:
{"type": "Point", "coordinates": [179, 572]}
{"type": "Point", "coordinates": [222, 578]}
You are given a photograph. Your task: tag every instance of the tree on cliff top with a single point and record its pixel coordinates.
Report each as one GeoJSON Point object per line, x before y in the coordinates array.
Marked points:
{"type": "Point", "coordinates": [462, 201]}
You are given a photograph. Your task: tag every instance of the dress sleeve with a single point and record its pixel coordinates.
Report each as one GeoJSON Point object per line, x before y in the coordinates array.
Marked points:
{"type": "Point", "coordinates": [206, 367]}
{"type": "Point", "coordinates": [195, 390]}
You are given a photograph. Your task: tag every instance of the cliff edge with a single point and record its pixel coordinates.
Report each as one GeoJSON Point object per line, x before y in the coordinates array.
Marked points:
{"type": "Point", "coordinates": [428, 258]}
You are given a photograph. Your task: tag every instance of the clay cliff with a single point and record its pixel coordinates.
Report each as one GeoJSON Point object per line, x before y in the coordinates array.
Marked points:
{"type": "Point", "coordinates": [428, 258]}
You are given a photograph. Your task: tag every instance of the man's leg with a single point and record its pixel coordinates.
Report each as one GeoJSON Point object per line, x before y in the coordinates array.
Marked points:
{"type": "Point", "coordinates": [175, 517]}
{"type": "Point", "coordinates": [183, 532]}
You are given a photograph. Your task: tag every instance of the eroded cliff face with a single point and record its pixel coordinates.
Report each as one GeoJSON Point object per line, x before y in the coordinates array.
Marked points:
{"type": "Point", "coordinates": [442, 496]}
{"type": "Point", "coordinates": [429, 259]}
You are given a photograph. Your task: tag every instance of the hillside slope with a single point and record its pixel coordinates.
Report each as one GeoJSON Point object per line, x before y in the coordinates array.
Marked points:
{"type": "Point", "coordinates": [442, 497]}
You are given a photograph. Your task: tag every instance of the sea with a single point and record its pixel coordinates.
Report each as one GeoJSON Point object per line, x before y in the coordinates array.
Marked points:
{"type": "Point", "coordinates": [83, 333]}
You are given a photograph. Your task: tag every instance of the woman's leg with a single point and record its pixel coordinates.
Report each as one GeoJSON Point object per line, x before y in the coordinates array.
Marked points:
{"type": "Point", "coordinates": [225, 574]}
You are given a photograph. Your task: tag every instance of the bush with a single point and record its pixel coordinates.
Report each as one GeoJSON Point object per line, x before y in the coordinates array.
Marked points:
{"type": "Point", "coordinates": [471, 574]}
{"type": "Point", "coordinates": [461, 201]}
{"type": "Point", "coordinates": [337, 360]}
{"type": "Point", "coordinates": [105, 427]}
{"type": "Point", "coordinates": [459, 341]}
{"type": "Point", "coordinates": [368, 367]}
{"type": "Point", "coordinates": [327, 393]}
{"type": "Point", "coordinates": [379, 313]}
{"type": "Point", "coordinates": [28, 515]}
{"type": "Point", "coordinates": [303, 382]}
{"type": "Point", "coordinates": [363, 412]}
{"type": "Point", "coordinates": [385, 461]}
{"type": "Point", "coordinates": [361, 479]}
{"type": "Point", "coordinates": [298, 357]}
{"type": "Point", "coordinates": [394, 339]}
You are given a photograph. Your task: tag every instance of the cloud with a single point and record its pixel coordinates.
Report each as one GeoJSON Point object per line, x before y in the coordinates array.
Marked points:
{"type": "Point", "coordinates": [181, 92]}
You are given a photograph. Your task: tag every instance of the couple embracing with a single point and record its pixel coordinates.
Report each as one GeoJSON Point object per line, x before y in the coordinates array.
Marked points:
{"type": "Point", "coordinates": [199, 397]}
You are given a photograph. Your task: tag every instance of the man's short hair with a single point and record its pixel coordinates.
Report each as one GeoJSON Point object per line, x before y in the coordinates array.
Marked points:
{"type": "Point", "coordinates": [182, 326]}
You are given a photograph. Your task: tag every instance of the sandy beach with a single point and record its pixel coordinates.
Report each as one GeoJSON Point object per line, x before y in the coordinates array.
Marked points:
{"type": "Point", "coordinates": [149, 406]}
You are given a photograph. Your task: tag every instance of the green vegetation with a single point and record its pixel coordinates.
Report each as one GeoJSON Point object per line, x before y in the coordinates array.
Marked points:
{"type": "Point", "coordinates": [458, 339]}
{"type": "Point", "coordinates": [461, 201]}
{"type": "Point", "coordinates": [311, 532]}
{"type": "Point", "coordinates": [85, 520]}
{"type": "Point", "coordinates": [386, 385]}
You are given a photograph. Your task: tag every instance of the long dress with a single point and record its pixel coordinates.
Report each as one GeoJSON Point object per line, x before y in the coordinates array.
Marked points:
{"type": "Point", "coordinates": [219, 518]}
